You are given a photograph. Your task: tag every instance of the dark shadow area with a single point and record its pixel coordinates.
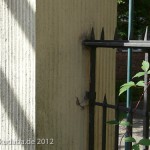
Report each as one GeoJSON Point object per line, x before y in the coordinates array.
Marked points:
{"type": "Point", "coordinates": [14, 111]}
{"type": "Point", "coordinates": [24, 15]}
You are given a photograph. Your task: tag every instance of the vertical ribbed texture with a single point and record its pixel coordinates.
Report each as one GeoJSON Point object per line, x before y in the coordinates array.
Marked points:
{"type": "Point", "coordinates": [105, 77]}
{"type": "Point", "coordinates": [17, 73]}
{"type": "Point", "coordinates": [62, 70]}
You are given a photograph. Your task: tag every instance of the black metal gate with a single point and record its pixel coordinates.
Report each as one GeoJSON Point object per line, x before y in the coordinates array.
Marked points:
{"type": "Point", "coordinates": [92, 44]}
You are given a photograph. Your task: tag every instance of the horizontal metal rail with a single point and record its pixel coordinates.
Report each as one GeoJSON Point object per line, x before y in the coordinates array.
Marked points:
{"type": "Point", "coordinates": [121, 108]}
{"type": "Point", "coordinates": [117, 43]}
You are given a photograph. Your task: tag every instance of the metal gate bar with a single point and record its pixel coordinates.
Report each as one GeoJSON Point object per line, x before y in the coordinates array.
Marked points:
{"type": "Point", "coordinates": [92, 93]}
{"type": "Point", "coordinates": [93, 44]}
{"type": "Point", "coordinates": [117, 43]}
{"type": "Point", "coordinates": [119, 109]}
{"type": "Point", "coordinates": [146, 115]}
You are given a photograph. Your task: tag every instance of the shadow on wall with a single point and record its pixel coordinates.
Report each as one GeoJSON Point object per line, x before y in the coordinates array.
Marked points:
{"type": "Point", "coordinates": [24, 14]}
{"type": "Point", "coordinates": [18, 118]}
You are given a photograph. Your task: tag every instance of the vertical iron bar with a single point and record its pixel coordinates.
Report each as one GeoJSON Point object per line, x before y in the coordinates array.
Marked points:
{"type": "Point", "coordinates": [92, 93]}
{"type": "Point", "coordinates": [104, 124]}
{"type": "Point", "coordinates": [117, 126]}
{"type": "Point", "coordinates": [146, 116]}
{"type": "Point", "coordinates": [128, 101]}
{"type": "Point", "coordinates": [129, 61]}
{"type": "Point", "coordinates": [104, 109]}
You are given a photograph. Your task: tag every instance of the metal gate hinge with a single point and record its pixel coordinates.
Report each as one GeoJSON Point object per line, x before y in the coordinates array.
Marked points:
{"type": "Point", "coordinates": [90, 95]}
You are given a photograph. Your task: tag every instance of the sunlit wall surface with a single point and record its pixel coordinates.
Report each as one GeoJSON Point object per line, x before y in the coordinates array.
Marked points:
{"type": "Point", "coordinates": [17, 74]}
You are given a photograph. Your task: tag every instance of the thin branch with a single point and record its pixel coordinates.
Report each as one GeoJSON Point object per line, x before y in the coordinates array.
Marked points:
{"type": "Point", "coordinates": [127, 131]}
{"type": "Point", "coordinates": [122, 138]}
{"type": "Point", "coordinates": [140, 99]}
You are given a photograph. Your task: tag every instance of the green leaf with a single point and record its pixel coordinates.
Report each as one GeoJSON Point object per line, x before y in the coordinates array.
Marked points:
{"type": "Point", "coordinates": [123, 89]}
{"type": "Point", "coordinates": [125, 123]}
{"type": "Point", "coordinates": [145, 65]}
{"type": "Point", "coordinates": [113, 122]}
{"type": "Point", "coordinates": [126, 86]}
{"type": "Point", "coordinates": [141, 83]}
{"type": "Point", "coordinates": [139, 74]}
{"type": "Point", "coordinates": [131, 83]}
{"type": "Point", "coordinates": [145, 142]}
{"type": "Point", "coordinates": [148, 72]}
{"type": "Point", "coordinates": [129, 139]}
{"type": "Point", "coordinates": [136, 147]}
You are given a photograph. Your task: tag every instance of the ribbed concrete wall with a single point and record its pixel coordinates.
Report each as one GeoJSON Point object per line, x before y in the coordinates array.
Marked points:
{"type": "Point", "coordinates": [62, 70]}
{"type": "Point", "coordinates": [17, 72]}
{"type": "Point", "coordinates": [105, 76]}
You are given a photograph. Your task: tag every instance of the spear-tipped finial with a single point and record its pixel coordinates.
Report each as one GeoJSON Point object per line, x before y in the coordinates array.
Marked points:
{"type": "Point", "coordinates": [105, 99]}
{"type": "Point", "coordinates": [102, 36]}
{"type": "Point", "coordinates": [92, 34]}
{"type": "Point", "coordinates": [116, 36]}
{"type": "Point", "coordinates": [146, 34]}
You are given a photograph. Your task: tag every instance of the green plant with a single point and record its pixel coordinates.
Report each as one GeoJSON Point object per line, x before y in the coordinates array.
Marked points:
{"type": "Point", "coordinates": [136, 92]}
{"type": "Point", "coordinates": [141, 18]}
{"type": "Point", "coordinates": [145, 70]}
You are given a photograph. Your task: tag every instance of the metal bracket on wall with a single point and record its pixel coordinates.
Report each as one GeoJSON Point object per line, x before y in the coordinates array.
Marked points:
{"type": "Point", "coordinates": [83, 102]}
{"type": "Point", "coordinates": [89, 95]}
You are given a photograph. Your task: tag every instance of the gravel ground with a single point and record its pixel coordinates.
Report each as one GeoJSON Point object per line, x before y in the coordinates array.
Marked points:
{"type": "Point", "coordinates": [137, 130]}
